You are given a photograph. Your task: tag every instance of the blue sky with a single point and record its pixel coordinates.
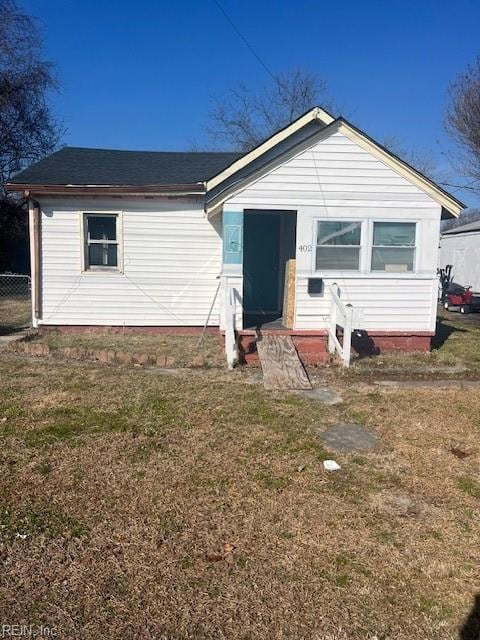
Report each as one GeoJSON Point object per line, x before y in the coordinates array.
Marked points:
{"type": "Point", "coordinates": [143, 75]}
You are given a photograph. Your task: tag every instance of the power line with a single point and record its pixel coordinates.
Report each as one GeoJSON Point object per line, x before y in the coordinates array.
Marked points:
{"type": "Point", "coordinates": [462, 187]}
{"type": "Point", "coordinates": [246, 42]}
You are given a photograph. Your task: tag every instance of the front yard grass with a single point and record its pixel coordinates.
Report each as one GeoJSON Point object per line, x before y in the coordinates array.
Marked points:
{"type": "Point", "coordinates": [15, 313]}
{"type": "Point", "coordinates": [455, 348]}
{"type": "Point", "coordinates": [135, 504]}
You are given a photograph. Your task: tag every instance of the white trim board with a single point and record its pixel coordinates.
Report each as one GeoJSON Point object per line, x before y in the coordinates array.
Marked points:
{"type": "Point", "coordinates": [317, 113]}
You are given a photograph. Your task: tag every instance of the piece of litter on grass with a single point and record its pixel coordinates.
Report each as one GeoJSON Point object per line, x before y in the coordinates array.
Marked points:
{"type": "Point", "coordinates": [228, 547]}
{"type": "Point", "coordinates": [214, 557]}
{"type": "Point", "coordinates": [331, 465]}
{"type": "Point", "coordinates": [459, 453]}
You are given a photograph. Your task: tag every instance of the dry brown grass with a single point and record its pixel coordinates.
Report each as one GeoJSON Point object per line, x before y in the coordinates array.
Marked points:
{"type": "Point", "coordinates": [15, 313]}
{"type": "Point", "coordinates": [182, 348]}
{"type": "Point", "coordinates": [455, 351]}
{"type": "Point", "coordinates": [121, 489]}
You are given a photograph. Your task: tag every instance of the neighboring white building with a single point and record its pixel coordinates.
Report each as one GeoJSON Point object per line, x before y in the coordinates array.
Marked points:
{"type": "Point", "coordinates": [161, 240]}
{"type": "Point", "coordinates": [460, 247]}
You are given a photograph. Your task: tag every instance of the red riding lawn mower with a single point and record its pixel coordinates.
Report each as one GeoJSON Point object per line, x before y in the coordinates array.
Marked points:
{"type": "Point", "coordinates": [461, 298]}
{"type": "Point", "coordinates": [454, 296]}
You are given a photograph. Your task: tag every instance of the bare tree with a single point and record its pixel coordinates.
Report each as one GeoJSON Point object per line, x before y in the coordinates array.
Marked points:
{"type": "Point", "coordinates": [28, 130]}
{"type": "Point", "coordinates": [463, 121]}
{"type": "Point", "coordinates": [419, 160]}
{"type": "Point", "coordinates": [245, 118]}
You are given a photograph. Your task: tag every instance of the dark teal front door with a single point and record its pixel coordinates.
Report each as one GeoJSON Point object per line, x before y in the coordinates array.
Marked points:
{"type": "Point", "coordinates": [261, 262]}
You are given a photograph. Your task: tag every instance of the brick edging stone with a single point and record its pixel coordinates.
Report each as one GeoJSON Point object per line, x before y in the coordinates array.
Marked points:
{"type": "Point", "coordinates": [30, 347]}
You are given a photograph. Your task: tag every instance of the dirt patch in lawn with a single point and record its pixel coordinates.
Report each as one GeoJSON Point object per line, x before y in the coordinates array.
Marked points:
{"type": "Point", "coordinates": [135, 505]}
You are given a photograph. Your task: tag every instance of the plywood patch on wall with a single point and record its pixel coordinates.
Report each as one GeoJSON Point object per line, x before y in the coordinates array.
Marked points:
{"type": "Point", "coordinates": [289, 295]}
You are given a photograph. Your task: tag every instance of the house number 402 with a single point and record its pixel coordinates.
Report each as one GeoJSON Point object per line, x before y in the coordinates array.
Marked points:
{"type": "Point", "coordinates": [305, 247]}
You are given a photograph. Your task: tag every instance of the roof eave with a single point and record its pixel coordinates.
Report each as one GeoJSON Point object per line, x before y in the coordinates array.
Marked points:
{"type": "Point", "coordinates": [460, 232]}
{"type": "Point", "coordinates": [196, 188]}
{"type": "Point", "coordinates": [445, 199]}
{"type": "Point", "coordinates": [317, 113]}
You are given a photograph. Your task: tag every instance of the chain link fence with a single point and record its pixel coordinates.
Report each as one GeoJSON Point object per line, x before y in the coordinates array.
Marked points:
{"type": "Point", "coordinates": [15, 302]}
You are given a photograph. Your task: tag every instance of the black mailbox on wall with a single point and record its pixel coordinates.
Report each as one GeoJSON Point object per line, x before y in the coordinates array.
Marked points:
{"type": "Point", "coordinates": [315, 286]}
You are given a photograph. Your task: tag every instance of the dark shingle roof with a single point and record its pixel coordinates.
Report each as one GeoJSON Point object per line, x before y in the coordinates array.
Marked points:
{"type": "Point", "coordinates": [81, 166]}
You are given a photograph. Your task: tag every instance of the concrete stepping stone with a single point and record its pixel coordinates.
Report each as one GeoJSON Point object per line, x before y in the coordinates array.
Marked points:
{"type": "Point", "coordinates": [349, 438]}
{"type": "Point", "coordinates": [324, 395]}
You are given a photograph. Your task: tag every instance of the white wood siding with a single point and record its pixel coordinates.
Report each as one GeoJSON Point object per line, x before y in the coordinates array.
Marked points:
{"type": "Point", "coordinates": [171, 260]}
{"type": "Point", "coordinates": [335, 172]}
{"type": "Point", "coordinates": [392, 304]}
{"type": "Point", "coordinates": [336, 178]}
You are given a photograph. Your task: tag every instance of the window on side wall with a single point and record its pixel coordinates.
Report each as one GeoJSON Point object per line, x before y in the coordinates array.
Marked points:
{"type": "Point", "coordinates": [101, 245]}
{"type": "Point", "coordinates": [393, 247]}
{"type": "Point", "coordinates": [338, 246]}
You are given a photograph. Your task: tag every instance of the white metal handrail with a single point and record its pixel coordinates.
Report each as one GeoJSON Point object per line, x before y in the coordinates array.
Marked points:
{"type": "Point", "coordinates": [340, 315]}
{"type": "Point", "coordinates": [230, 317]}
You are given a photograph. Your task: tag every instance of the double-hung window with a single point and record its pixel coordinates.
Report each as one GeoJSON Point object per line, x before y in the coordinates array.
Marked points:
{"type": "Point", "coordinates": [338, 245]}
{"type": "Point", "coordinates": [393, 247]}
{"type": "Point", "coordinates": [101, 246]}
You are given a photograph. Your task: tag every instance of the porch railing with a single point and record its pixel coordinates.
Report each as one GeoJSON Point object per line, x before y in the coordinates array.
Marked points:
{"type": "Point", "coordinates": [230, 324]}
{"type": "Point", "coordinates": [341, 315]}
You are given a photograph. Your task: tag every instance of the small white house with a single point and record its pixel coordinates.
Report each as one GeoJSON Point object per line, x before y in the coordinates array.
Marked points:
{"type": "Point", "coordinates": [180, 241]}
{"type": "Point", "coordinates": [460, 247]}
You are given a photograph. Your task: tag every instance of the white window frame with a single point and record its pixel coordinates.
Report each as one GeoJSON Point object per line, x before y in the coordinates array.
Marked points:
{"type": "Point", "coordinates": [415, 246]}
{"type": "Point", "coordinates": [361, 247]}
{"type": "Point", "coordinates": [99, 269]}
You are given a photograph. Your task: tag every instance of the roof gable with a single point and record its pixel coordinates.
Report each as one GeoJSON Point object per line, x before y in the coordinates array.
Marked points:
{"type": "Point", "coordinates": [222, 184]}
{"type": "Point", "coordinates": [325, 169]}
